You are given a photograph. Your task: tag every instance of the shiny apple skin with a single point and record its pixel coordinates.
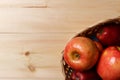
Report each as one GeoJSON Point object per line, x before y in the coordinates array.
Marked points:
{"type": "Point", "coordinates": [86, 50]}
{"type": "Point", "coordinates": [109, 65]}
{"type": "Point", "coordinates": [109, 35]}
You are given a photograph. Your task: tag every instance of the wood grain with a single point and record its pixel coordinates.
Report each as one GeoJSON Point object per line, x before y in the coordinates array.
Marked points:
{"type": "Point", "coordinates": [42, 28]}
{"type": "Point", "coordinates": [23, 4]}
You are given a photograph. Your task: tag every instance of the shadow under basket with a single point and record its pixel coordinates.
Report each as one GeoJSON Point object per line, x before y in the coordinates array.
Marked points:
{"type": "Point", "coordinates": [67, 70]}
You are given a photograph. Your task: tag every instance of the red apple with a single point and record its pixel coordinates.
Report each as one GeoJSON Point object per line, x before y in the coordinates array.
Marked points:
{"type": "Point", "coordinates": [109, 64]}
{"type": "Point", "coordinates": [109, 35]}
{"type": "Point", "coordinates": [81, 53]}
{"type": "Point", "coordinates": [86, 75]}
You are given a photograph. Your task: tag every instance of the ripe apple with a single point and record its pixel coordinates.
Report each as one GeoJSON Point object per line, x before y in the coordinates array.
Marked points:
{"type": "Point", "coordinates": [109, 35]}
{"type": "Point", "coordinates": [109, 64]}
{"type": "Point", "coordinates": [81, 53]}
{"type": "Point", "coordinates": [86, 75]}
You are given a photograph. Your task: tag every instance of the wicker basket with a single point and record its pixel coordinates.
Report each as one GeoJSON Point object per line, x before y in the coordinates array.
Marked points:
{"type": "Point", "coordinates": [88, 33]}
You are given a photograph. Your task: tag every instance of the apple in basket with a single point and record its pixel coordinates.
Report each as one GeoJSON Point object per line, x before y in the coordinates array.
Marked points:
{"type": "Point", "coordinates": [85, 75]}
{"type": "Point", "coordinates": [109, 64]}
{"type": "Point", "coordinates": [81, 53]}
{"type": "Point", "coordinates": [109, 35]}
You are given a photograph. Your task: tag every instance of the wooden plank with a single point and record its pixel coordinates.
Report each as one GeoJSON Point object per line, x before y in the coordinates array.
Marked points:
{"type": "Point", "coordinates": [48, 20]}
{"type": "Point", "coordinates": [45, 55]}
{"type": "Point", "coordinates": [60, 16]}
{"type": "Point", "coordinates": [23, 4]}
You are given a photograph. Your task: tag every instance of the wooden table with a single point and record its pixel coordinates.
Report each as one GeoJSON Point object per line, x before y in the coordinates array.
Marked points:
{"type": "Point", "coordinates": [34, 32]}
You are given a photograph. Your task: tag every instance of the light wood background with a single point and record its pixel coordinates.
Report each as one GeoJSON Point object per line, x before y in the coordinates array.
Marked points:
{"type": "Point", "coordinates": [34, 32]}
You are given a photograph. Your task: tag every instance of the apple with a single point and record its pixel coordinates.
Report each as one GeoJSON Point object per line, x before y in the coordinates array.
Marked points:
{"type": "Point", "coordinates": [109, 35]}
{"type": "Point", "coordinates": [86, 75]}
{"type": "Point", "coordinates": [109, 64]}
{"type": "Point", "coordinates": [81, 53]}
